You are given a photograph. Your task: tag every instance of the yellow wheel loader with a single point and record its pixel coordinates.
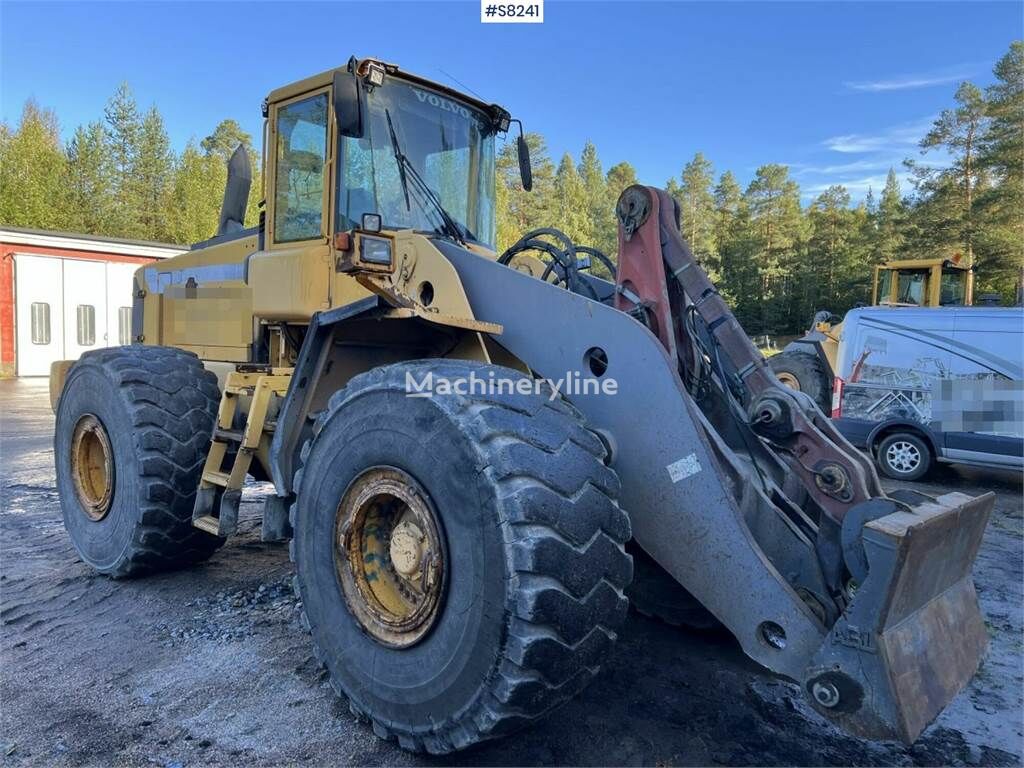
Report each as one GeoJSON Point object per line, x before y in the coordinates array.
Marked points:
{"type": "Point", "coordinates": [463, 443]}
{"type": "Point", "coordinates": [808, 364]}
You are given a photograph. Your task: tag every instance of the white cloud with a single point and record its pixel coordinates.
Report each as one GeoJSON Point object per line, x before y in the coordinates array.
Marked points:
{"type": "Point", "coordinates": [857, 166]}
{"type": "Point", "coordinates": [895, 139]}
{"type": "Point", "coordinates": [907, 82]}
{"type": "Point", "coordinates": [857, 187]}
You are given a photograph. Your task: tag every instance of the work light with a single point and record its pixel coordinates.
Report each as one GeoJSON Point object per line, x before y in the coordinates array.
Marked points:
{"type": "Point", "coordinates": [375, 250]}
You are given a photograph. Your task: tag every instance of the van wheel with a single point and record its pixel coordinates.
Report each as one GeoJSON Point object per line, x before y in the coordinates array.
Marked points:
{"type": "Point", "coordinates": [903, 456]}
{"type": "Point", "coordinates": [804, 373]}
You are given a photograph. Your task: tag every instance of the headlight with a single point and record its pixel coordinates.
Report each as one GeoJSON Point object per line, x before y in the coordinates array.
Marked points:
{"type": "Point", "coordinates": [375, 250]}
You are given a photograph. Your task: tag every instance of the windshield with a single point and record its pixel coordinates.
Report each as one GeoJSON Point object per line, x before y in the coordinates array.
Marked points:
{"type": "Point", "coordinates": [448, 143]}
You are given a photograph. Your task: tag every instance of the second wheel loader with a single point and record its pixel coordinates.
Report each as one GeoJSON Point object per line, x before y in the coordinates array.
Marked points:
{"type": "Point", "coordinates": [462, 443]}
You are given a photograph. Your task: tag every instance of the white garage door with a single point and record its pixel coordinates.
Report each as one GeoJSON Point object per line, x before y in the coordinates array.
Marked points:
{"type": "Point", "coordinates": [85, 307]}
{"type": "Point", "coordinates": [119, 304]}
{"type": "Point", "coordinates": [39, 315]}
{"type": "Point", "coordinates": [68, 306]}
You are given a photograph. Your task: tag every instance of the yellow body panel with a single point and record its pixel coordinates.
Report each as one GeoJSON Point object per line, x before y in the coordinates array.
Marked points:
{"type": "Point", "coordinates": [291, 283]}
{"type": "Point", "coordinates": [199, 301]}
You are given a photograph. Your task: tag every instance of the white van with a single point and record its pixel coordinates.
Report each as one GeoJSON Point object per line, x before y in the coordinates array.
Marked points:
{"type": "Point", "coordinates": [915, 386]}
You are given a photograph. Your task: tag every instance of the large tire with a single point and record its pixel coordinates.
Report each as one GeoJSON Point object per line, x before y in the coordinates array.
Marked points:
{"type": "Point", "coordinates": [655, 594]}
{"type": "Point", "coordinates": [805, 373]}
{"type": "Point", "coordinates": [155, 407]}
{"type": "Point", "coordinates": [534, 565]}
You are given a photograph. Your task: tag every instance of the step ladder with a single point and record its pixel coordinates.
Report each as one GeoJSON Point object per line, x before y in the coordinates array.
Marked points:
{"type": "Point", "coordinates": [220, 487]}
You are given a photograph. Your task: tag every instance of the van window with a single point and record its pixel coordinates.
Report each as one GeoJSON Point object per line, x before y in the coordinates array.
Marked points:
{"type": "Point", "coordinates": [301, 154]}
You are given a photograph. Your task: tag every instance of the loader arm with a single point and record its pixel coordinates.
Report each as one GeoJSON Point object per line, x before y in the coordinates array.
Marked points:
{"type": "Point", "coordinates": [867, 601]}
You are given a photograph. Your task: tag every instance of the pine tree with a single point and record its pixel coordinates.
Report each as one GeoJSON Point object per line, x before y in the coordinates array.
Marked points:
{"type": "Point", "coordinates": [697, 206]}
{"type": "Point", "coordinates": [600, 206]}
{"type": "Point", "coordinates": [828, 248]}
{"type": "Point", "coordinates": [774, 201]}
{"type": "Point", "coordinates": [32, 172]}
{"type": "Point", "coordinates": [571, 210]}
{"type": "Point", "coordinates": [1001, 207]}
{"type": "Point", "coordinates": [124, 129]}
{"type": "Point", "coordinates": [89, 181]}
{"type": "Point", "coordinates": [152, 175]}
{"type": "Point", "coordinates": [734, 243]}
{"type": "Point", "coordinates": [891, 221]}
{"type": "Point", "coordinates": [953, 190]}
{"type": "Point", "coordinates": [222, 143]}
{"type": "Point", "coordinates": [519, 211]}
{"type": "Point", "coordinates": [225, 140]}
{"type": "Point", "coordinates": [196, 196]}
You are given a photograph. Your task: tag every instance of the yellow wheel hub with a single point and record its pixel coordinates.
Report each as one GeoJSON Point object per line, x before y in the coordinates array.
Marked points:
{"type": "Point", "coordinates": [788, 379]}
{"type": "Point", "coordinates": [92, 467]}
{"type": "Point", "coordinates": [389, 556]}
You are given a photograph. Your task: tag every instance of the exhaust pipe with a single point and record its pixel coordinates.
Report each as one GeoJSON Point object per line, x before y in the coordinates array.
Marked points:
{"type": "Point", "coordinates": [236, 193]}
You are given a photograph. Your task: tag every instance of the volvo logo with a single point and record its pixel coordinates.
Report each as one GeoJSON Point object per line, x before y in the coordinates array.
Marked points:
{"type": "Point", "coordinates": [446, 105]}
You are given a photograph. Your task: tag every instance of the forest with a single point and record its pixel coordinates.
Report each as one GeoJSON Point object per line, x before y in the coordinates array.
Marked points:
{"type": "Point", "coordinates": [776, 259]}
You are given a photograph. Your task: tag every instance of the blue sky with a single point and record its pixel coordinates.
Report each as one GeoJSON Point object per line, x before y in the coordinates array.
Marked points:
{"type": "Point", "coordinates": [839, 91]}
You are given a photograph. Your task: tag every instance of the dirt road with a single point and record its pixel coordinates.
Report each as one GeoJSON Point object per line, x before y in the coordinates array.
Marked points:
{"type": "Point", "coordinates": [210, 666]}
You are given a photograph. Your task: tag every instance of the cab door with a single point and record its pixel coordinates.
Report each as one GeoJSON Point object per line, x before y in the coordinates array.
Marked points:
{"type": "Point", "coordinates": [291, 278]}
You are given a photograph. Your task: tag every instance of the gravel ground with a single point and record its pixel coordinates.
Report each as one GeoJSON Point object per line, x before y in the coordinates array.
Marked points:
{"type": "Point", "coordinates": [210, 666]}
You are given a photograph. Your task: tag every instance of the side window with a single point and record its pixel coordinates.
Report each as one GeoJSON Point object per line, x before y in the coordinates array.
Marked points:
{"type": "Point", "coordinates": [124, 326]}
{"type": "Point", "coordinates": [301, 153]}
{"type": "Point", "coordinates": [86, 325]}
{"type": "Point", "coordinates": [884, 287]}
{"type": "Point", "coordinates": [40, 322]}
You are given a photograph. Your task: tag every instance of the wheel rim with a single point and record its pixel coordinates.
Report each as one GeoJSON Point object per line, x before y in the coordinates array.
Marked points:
{"type": "Point", "coordinates": [903, 456]}
{"type": "Point", "coordinates": [92, 467]}
{"type": "Point", "coordinates": [788, 379]}
{"type": "Point", "coordinates": [389, 556]}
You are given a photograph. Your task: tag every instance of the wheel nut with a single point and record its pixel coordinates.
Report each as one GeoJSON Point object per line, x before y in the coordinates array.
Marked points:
{"type": "Point", "coordinates": [825, 694]}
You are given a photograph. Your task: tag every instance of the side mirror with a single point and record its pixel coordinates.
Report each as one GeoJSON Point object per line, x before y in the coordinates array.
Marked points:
{"type": "Point", "coordinates": [525, 171]}
{"type": "Point", "coordinates": [348, 103]}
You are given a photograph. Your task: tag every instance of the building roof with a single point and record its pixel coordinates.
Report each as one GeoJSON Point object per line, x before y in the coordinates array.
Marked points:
{"type": "Point", "coordinates": [98, 243]}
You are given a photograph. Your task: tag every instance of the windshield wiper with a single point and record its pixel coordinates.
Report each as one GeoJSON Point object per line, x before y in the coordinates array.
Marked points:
{"type": "Point", "coordinates": [407, 170]}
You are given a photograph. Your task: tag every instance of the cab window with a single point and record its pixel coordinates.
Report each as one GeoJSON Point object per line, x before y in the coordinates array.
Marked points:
{"type": "Point", "coordinates": [952, 289]}
{"type": "Point", "coordinates": [912, 287]}
{"type": "Point", "coordinates": [301, 154]}
{"type": "Point", "coordinates": [884, 287]}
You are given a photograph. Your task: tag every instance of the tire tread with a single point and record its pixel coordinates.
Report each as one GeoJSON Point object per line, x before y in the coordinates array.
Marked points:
{"type": "Point", "coordinates": [564, 540]}
{"type": "Point", "coordinates": [172, 402]}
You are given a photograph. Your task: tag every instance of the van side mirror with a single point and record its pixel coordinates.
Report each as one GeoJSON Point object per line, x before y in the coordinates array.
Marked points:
{"type": "Point", "coordinates": [525, 171]}
{"type": "Point", "coordinates": [348, 103]}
